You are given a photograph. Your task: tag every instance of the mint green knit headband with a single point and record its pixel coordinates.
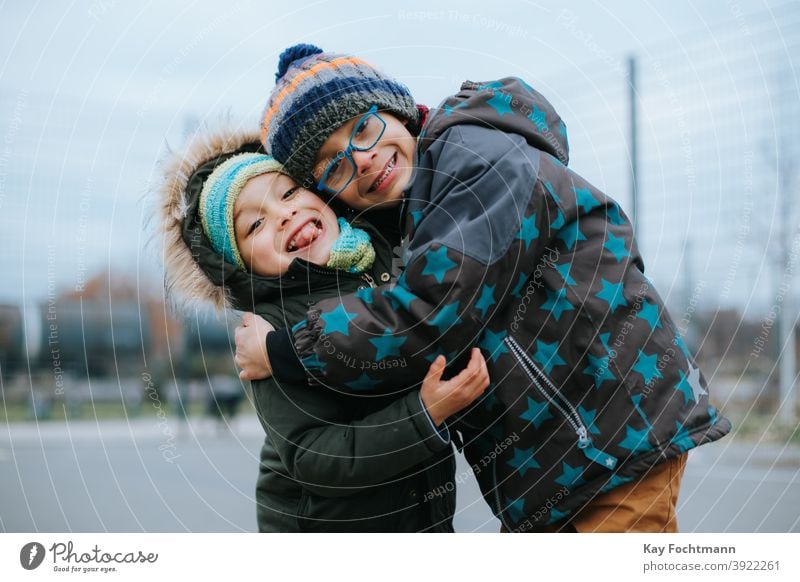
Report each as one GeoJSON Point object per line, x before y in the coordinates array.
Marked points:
{"type": "Point", "coordinates": [219, 195]}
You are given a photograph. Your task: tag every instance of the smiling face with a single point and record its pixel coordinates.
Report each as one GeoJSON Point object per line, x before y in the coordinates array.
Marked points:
{"type": "Point", "coordinates": [276, 222]}
{"type": "Point", "coordinates": [382, 172]}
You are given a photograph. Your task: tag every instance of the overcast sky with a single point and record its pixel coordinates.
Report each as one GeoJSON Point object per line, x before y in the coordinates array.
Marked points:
{"type": "Point", "coordinates": [90, 92]}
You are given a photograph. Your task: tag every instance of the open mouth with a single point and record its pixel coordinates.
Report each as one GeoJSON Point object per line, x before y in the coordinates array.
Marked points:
{"type": "Point", "coordinates": [305, 235]}
{"type": "Point", "coordinates": [387, 171]}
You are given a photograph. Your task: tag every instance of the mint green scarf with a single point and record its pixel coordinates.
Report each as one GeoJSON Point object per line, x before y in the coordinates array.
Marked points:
{"type": "Point", "coordinates": [352, 251]}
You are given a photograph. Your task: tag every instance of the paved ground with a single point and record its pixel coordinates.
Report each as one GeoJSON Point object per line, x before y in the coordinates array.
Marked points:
{"type": "Point", "coordinates": [122, 476]}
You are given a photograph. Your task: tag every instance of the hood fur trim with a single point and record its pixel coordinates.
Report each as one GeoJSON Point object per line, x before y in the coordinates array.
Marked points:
{"type": "Point", "coordinates": [186, 286]}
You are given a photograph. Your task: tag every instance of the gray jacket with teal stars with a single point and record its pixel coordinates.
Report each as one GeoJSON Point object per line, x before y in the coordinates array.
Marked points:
{"type": "Point", "coordinates": [513, 252]}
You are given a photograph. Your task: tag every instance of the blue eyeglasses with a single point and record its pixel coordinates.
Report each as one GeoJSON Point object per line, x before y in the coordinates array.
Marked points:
{"type": "Point", "coordinates": [340, 171]}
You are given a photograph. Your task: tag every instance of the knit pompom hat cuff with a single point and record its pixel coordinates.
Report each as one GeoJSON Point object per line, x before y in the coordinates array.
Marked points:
{"type": "Point", "coordinates": [219, 195]}
{"type": "Point", "coordinates": [315, 94]}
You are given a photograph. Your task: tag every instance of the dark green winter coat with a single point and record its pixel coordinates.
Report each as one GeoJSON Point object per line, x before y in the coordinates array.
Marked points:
{"type": "Point", "coordinates": [331, 460]}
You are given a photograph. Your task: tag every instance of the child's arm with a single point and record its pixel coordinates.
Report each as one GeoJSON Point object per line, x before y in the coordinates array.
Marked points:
{"type": "Point", "coordinates": [333, 458]}
{"type": "Point", "coordinates": [483, 222]}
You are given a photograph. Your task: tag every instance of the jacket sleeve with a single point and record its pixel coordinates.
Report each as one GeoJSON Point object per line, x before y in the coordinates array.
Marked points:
{"type": "Point", "coordinates": [333, 457]}
{"type": "Point", "coordinates": [286, 366]}
{"type": "Point", "coordinates": [480, 221]}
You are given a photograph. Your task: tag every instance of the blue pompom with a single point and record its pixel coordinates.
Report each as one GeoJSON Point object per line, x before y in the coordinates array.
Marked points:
{"type": "Point", "coordinates": [292, 54]}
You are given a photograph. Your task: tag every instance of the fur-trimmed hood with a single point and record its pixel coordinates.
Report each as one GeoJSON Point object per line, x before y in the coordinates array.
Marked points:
{"type": "Point", "coordinates": [194, 274]}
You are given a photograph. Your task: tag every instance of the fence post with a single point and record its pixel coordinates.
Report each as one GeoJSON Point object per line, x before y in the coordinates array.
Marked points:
{"type": "Point", "coordinates": [633, 146]}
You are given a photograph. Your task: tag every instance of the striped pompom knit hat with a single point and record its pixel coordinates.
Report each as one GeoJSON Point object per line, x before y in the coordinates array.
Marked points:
{"type": "Point", "coordinates": [317, 92]}
{"type": "Point", "coordinates": [219, 195]}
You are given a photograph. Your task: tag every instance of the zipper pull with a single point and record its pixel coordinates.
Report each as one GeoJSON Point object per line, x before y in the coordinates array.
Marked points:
{"type": "Point", "coordinates": [600, 457]}
{"type": "Point", "coordinates": [583, 438]}
{"type": "Point", "coordinates": [369, 280]}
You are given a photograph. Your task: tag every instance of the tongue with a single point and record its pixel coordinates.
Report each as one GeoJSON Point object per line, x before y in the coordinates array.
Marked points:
{"type": "Point", "coordinates": [306, 236]}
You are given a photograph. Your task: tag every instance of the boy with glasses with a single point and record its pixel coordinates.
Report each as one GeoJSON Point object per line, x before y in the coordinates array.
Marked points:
{"type": "Point", "coordinates": [595, 398]}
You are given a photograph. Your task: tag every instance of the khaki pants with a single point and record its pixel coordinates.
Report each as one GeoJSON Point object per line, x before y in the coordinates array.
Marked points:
{"type": "Point", "coordinates": [645, 505]}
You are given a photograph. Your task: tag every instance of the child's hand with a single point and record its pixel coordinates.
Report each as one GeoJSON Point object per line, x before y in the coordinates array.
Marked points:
{"type": "Point", "coordinates": [443, 399]}
{"type": "Point", "coordinates": [251, 347]}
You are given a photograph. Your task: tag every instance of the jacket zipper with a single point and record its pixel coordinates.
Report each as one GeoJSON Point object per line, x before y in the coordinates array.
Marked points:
{"type": "Point", "coordinates": [556, 398]}
{"type": "Point", "coordinates": [365, 277]}
{"type": "Point", "coordinates": [564, 406]}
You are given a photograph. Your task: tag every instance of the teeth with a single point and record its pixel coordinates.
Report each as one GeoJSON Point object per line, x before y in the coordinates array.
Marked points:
{"type": "Point", "coordinates": [306, 235]}
{"type": "Point", "coordinates": [386, 172]}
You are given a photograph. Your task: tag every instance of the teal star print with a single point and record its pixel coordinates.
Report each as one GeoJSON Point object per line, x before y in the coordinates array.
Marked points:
{"type": "Point", "coordinates": [647, 366]}
{"type": "Point", "coordinates": [635, 440]}
{"type": "Point", "coordinates": [585, 199]}
{"type": "Point", "coordinates": [517, 290]}
{"type": "Point", "coordinates": [547, 355]}
{"type": "Point", "coordinates": [536, 413]}
{"type": "Point", "coordinates": [571, 476]}
{"type": "Point", "coordinates": [337, 320]}
{"type": "Point", "coordinates": [588, 417]}
{"type": "Point", "coordinates": [491, 85]}
{"type": "Point", "coordinates": [448, 109]}
{"type": "Point", "coordinates": [399, 295]}
{"type": "Point", "coordinates": [598, 369]}
{"type": "Point", "coordinates": [614, 215]}
{"type": "Point", "coordinates": [604, 337]}
{"type": "Point", "coordinates": [528, 231]}
{"type": "Point", "coordinates": [487, 299]}
{"type": "Point", "coordinates": [556, 516]}
{"type": "Point", "coordinates": [682, 345]}
{"type": "Point", "coordinates": [312, 362]}
{"type": "Point", "coordinates": [612, 294]}
{"type": "Point", "coordinates": [365, 295]}
{"type": "Point", "coordinates": [515, 509]}
{"type": "Point", "coordinates": [559, 221]}
{"type": "Point", "coordinates": [493, 343]}
{"type": "Point", "coordinates": [523, 461]}
{"type": "Point", "coordinates": [557, 303]}
{"type": "Point", "coordinates": [549, 187]}
{"type": "Point", "coordinates": [564, 270]}
{"type": "Point", "coordinates": [616, 246]}
{"type": "Point", "coordinates": [682, 438]}
{"type": "Point", "coordinates": [501, 103]}
{"type": "Point", "coordinates": [649, 312]}
{"type": "Point", "coordinates": [446, 318]}
{"type": "Point", "coordinates": [437, 264]}
{"type": "Point", "coordinates": [388, 344]}
{"type": "Point", "coordinates": [571, 234]}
